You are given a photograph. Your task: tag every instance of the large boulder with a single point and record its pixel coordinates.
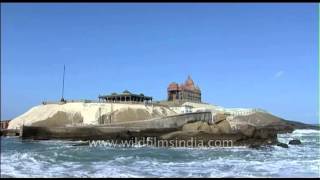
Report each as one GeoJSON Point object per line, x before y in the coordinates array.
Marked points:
{"type": "Point", "coordinates": [263, 119]}
{"type": "Point", "coordinates": [219, 117]}
{"type": "Point", "coordinates": [192, 127]}
{"type": "Point", "coordinates": [224, 127]}
{"type": "Point", "coordinates": [214, 129]}
{"type": "Point", "coordinates": [204, 127]}
{"type": "Point", "coordinates": [247, 130]}
{"type": "Point", "coordinates": [265, 133]}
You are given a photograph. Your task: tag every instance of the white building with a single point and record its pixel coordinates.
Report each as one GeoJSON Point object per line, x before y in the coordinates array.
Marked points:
{"type": "Point", "coordinates": [182, 109]}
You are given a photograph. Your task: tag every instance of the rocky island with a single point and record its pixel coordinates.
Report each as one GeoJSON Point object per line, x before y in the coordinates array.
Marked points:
{"type": "Point", "coordinates": [126, 115]}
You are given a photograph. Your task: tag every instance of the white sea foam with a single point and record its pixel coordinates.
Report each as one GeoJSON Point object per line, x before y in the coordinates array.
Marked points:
{"type": "Point", "coordinates": [211, 168]}
{"type": "Point", "coordinates": [61, 159]}
{"type": "Point", "coordinates": [305, 131]}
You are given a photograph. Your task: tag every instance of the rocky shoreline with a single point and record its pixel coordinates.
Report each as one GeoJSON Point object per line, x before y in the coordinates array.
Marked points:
{"type": "Point", "coordinates": [207, 134]}
{"type": "Point", "coordinates": [254, 129]}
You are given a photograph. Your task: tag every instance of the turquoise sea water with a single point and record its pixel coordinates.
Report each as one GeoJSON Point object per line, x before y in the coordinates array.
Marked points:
{"type": "Point", "coordinates": [61, 159]}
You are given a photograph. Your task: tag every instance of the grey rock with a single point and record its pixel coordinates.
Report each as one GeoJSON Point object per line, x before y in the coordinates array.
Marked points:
{"type": "Point", "coordinates": [295, 142]}
{"type": "Point", "coordinates": [283, 145]}
{"type": "Point", "coordinates": [247, 130]}
{"type": "Point", "coordinates": [254, 146]}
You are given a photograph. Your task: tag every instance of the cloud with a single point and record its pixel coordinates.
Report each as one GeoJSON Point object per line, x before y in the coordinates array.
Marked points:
{"type": "Point", "coordinates": [278, 74]}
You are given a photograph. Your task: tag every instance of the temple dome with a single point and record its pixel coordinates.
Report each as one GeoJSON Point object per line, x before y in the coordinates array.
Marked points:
{"type": "Point", "coordinates": [189, 83]}
{"type": "Point", "coordinates": [173, 86]}
{"type": "Point", "coordinates": [187, 91]}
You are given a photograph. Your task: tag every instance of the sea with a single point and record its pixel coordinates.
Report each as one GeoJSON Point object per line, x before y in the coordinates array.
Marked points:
{"type": "Point", "coordinates": [52, 158]}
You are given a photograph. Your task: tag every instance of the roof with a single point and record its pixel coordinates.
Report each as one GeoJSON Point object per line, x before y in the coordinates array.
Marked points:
{"type": "Point", "coordinates": [188, 85]}
{"type": "Point", "coordinates": [126, 93]}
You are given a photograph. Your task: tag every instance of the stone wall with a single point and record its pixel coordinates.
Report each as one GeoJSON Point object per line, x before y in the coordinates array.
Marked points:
{"type": "Point", "coordinates": [169, 121]}
{"type": "Point", "coordinates": [156, 127]}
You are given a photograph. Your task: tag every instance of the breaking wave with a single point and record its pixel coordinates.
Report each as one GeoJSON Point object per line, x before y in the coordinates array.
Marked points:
{"type": "Point", "coordinates": [62, 159]}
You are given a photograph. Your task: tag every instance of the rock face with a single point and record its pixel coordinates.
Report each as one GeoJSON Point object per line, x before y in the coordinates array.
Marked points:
{"type": "Point", "coordinates": [299, 125]}
{"type": "Point", "coordinates": [260, 119]}
{"type": "Point", "coordinates": [244, 134]}
{"type": "Point", "coordinates": [254, 146]}
{"type": "Point", "coordinates": [219, 117]}
{"type": "Point", "coordinates": [192, 127]}
{"type": "Point", "coordinates": [247, 130]}
{"type": "Point", "coordinates": [253, 128]}
{"type": "Point", "coordinates": [250, 116]}
{"type": "Point", "coordinates": [55, 115]}
{"type": "Point", "coordinates": [224, 127]}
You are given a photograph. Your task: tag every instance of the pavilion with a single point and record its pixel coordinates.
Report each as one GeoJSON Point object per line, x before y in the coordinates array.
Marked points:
{"type": "Point", "coordinates": [125, 96]}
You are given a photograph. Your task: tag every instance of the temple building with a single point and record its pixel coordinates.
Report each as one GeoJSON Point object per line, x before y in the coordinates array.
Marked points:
{"type": "Point", "coordinates": [184, 92]}
{"type": "Point", "coordinates": [126, 96]}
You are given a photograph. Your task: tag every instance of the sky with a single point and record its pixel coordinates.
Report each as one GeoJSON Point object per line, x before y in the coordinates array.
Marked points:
{"type": "Point", "coordinates": [240, 55]}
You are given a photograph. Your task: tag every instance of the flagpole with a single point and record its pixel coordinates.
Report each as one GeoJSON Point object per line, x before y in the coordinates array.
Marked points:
{"type": "Point", "coordinates": [64, 69]}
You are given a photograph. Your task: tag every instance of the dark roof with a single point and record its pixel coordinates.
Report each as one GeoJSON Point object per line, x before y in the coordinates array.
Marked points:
{"type": "Point", "coordinates": [126, 92]}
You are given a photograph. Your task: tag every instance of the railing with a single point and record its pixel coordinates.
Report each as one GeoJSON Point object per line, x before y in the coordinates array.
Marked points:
{"type": "Point", "coordinates": [70, 101]}
{"type": "Point", "coordinates": [101, 102]}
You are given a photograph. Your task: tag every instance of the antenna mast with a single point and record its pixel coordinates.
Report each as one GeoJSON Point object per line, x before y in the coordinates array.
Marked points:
{"type": "Point", "coordinates": [64, 69]}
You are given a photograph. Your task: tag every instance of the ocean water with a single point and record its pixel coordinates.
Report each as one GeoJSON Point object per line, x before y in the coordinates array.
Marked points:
{"type": "Point", "coordinates": [61, 159]}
